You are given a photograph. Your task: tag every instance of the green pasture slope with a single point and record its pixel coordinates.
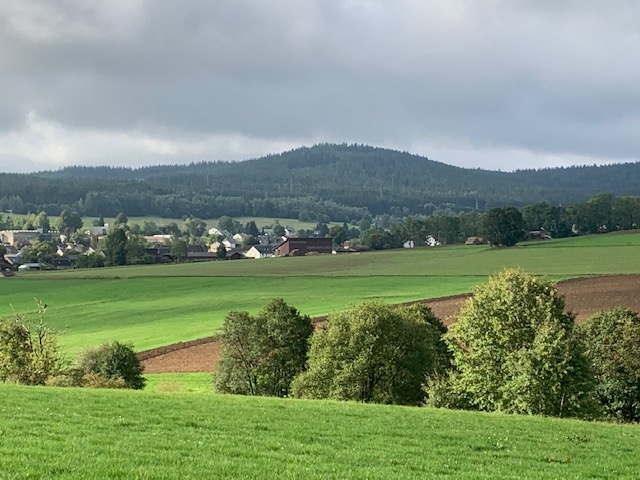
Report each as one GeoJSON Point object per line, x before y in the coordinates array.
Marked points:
{"type": "Point", "coordinates": [49, 432]}
{"type": "Point", "coordinates": [156, 305]}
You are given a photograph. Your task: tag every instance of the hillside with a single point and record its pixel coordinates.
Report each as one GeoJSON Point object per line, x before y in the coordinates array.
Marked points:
{"type": "Point", "coordinates": [343, 182]}
{"type": "Point", "coordinates": [124, 434]}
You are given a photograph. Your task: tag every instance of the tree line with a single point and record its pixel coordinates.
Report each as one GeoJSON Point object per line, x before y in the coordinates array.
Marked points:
{"type": "Point", "coordinates": [512, 349]}
{"type": "Point", "coordinates": [344, 182]}
{"type": "Point", "coordinates": [508, 225]}
{"type": "Point", "coordinates": [503, 226]}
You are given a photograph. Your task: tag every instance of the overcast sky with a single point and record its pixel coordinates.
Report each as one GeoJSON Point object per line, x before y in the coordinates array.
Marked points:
{"type": "Point", "coordinates": [498, 84]}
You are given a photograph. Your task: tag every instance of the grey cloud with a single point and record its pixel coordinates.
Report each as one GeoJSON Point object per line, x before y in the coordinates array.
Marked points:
{"type": "Point", "coordinates": [549, 77]}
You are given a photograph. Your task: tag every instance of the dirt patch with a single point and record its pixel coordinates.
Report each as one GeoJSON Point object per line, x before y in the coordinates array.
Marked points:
{"type": "Point", "coordinates": [583, 296]}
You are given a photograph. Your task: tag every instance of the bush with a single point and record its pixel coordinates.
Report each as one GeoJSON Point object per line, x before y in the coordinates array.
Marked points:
{"type": "Point", "coordinates": [612, 342]}
{"type": "Point", "coordinates": [514, 350]}
{"type": "Point", "coordinates": [261, 355]}
{"type": "Point", "coordinates": [29, 352]}
{"type": "Point", "coordinates": [111, 361]}
{"type": "Point", "coordinates": [375, 353]}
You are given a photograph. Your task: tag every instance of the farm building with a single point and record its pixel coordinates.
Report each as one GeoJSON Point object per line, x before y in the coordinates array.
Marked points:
{"type": "Point", "coordinates": [474, 241]}
{"type": "Point", "coordinates": [302, 246]}
{"type": "Point", "coordinates": [25, 267]}
{"type": "Point", "coordinates": [23, 237]}
{"type": "Point", "coordinates": [538, 235]}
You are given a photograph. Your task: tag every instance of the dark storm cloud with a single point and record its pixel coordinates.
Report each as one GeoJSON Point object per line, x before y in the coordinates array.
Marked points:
{"type": "Point", "coordinates": [202, 79]}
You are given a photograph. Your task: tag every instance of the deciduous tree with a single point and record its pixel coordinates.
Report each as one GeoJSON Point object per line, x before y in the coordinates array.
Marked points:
{"type": "Point", "coordinates": [375, 353]}
{"type": "Point", "coordinates": [503, 226]}
{"type": "Point", "coordinates": [112, 361]}
{"type": "Point", "coordinates": [612, 342]}
{"type": "Point", "coordinates": [116, 247]}
{"type": "Point", "coordinates": [514, 350]}
{"type": "Point", "coordinates": [262, 354]}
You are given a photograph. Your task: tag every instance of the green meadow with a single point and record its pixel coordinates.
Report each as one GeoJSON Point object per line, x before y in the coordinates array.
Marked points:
{"type": "Point", "coordinates": [70, 433]}
{"type": "Point", "coordinates": [178, 428]}
{"type": "Point", "coordinates": [156, 305]}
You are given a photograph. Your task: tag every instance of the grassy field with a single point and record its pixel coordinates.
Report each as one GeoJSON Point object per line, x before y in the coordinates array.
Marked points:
{"type": "Point", "coordinates": [76, 434]}
{"type": "Point", "coordinates": [160, 304]}
{"type": "Point", "coordinates": [152, 311]}
{"type": "Point", "coordinates": [177, 428]}
{"type": "Point", "coordinates": [179, 383]}
{"type": "Point", "coordinates": [589, 255]}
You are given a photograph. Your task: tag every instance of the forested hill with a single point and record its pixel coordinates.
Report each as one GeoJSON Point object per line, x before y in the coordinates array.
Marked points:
{"type": "Point", "coordinates": [341, 181]}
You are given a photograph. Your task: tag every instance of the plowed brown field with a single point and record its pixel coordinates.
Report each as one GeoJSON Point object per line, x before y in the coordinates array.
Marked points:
{"type": "Point", "coordinates": [583, 296]}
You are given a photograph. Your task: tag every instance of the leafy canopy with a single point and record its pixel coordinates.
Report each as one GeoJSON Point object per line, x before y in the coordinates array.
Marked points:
{"type": "Point", "coordinates": [374, 353]}
{"type": "Point", "coordinates": [261, 355]}
{"type": "Point", "coordinates": [612, 340]}
{"type": "Point", "coordinates": [514, 350]}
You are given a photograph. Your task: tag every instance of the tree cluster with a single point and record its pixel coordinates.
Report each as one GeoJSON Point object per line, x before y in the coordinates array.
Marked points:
{"type": "Point", "coordinates": [262, 354]}
{"type": "Point", "coordinates": [30, 355]}
{"type": "Point", "coordinates": [512, 349]}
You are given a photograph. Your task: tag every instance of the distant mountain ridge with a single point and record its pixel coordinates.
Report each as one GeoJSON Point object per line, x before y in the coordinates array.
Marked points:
{"type": "Point", "coordinates": [342, 181]}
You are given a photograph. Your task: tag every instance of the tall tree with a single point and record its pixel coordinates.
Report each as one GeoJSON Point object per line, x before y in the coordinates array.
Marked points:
{"type": "Point", "coordinates": [69, 221]}
{"type": "Point", "coordinates": [503, 226]}
{"type": "Point", "coordinates": [251, 229]}
{"type": "Point", "coordinates": [261, 355]}
{"type": "Point", "coordinates": [612, 342]}
{"type": "Point", "coordinates": [116, 247]}
{"type": "Point", "coordinates": [514, 350]}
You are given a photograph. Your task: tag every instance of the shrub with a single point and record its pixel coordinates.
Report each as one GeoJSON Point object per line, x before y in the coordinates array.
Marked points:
{"type": "Point", "coordinates": [111, 361]}
{"type": "Point", "coordinates": [261, 355]}
{"type": "Point", "coordinates": [375, 353]}
{"type": "Point", "coordinates": [514, 350]}
{"type": "Point", "coordinates": [612, 342]}
{"type": "Point", "coordinates": [29, 352]}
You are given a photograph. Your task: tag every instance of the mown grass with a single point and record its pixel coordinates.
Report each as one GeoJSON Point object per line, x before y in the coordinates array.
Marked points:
{"type": "Point", "coordinates": [155, 305]}
{"type": "Point", "coordinates": [179, 383]}
{"type": "Point", "coordinates": [151, 312]}
{"type": "Point", "coordinates": [76, 434]}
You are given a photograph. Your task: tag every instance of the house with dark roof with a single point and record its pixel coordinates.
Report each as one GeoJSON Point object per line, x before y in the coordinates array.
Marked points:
{"type": "Point", "coordinates": [260, 251]}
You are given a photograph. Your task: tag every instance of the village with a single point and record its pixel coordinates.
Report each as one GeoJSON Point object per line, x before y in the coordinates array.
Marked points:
{"type": "Point", "coordinates": [40, 249]}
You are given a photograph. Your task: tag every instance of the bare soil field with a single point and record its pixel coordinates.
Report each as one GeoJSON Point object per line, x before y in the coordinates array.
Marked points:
{"type": "Point", "coordinates": [583, 296]}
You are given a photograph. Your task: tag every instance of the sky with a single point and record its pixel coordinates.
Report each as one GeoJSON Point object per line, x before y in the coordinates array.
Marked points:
{"type": "Point", "coordinates": [494, 84]}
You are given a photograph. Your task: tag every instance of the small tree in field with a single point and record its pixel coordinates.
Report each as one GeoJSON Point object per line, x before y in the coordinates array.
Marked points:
{"type": "Point", "coordinates": [514, 350]}
{"type": "Point", "coordinates": [375, 353]}
{"type": "Point", "coordinates": [612, 342]}
{"type": "Point", "coordinates": [29, 352]}
{"type": "Point", "coordinates": [261, 355]}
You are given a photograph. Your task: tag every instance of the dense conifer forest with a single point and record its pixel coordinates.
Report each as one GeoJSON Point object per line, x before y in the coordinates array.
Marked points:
{"type": "Point", "coordinates": [343, 182]}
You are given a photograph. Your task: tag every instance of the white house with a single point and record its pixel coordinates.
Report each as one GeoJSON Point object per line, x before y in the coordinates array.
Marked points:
{"type": "Point", "coordinates": [98, 231]}
{"type": "Point", "coordinates": [217, 231]}
{"type": "Point", "coordinates": [259, 251]}
{"type": "Point", "coordinates": [229, 244]}
{"type": "Point", "coordinates": [432, 242]}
